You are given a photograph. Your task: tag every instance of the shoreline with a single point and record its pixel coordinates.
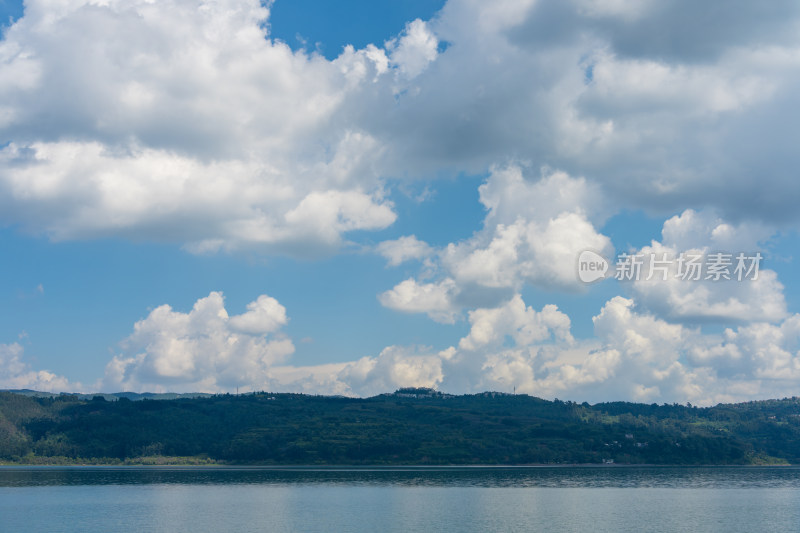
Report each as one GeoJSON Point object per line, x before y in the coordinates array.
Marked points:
{"type": "Point", "coordinates": [386, 468]}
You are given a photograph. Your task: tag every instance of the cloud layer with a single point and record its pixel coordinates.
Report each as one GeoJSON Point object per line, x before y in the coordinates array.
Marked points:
{"type": "Point", "coordinates": [188, 124]}
{"type": "Point", "coordinates": [191, 125]}
{"type": "Point", "coordinates": [634, 356]}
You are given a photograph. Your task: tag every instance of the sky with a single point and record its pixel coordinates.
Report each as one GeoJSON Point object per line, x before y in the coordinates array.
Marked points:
{"type": "Point", "coordinates": [590, 200]}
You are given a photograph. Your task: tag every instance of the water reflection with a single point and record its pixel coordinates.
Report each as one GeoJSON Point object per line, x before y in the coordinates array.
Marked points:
{"type": "Point", "coordinates": [568, 499]}
{"type": "Point", "coordinates": [568, 477]}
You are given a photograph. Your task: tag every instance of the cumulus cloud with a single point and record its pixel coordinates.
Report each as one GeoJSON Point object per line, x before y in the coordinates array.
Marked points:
{"type": "Point", "coordinates": [523, 324]}
{"type": "Point", "coordinates": [513, 191]}
{"type": "Point", "coordinates": [603, 89]}
{"type": "Point", "coordinates": [394, 367]}
{"type": "Point", "coordinates": [769, 352]}
{"type": "Point", "coordinates": [672, 361]}
{"type": "Point", "coordinates": [16, 373]}
{"type": "Point", "coordinates": [190, 124]}
{"type": "Point", "coordinates": [414, 50]}
{"type": "Point", "coordinates": [204, 349]}
{"type": "Point", "coordinates": [542, 254]}
{"type": "Point", "coordinates": [263, 316]}
{"type": "Point", "coordinates": [533, 233]}
{"type": "Point", "coordinates": [518, 348]}
{"type": "Point", "coordinates": [312, 379]}
{"type": "Point", "coordinates": [746, 291]}
{"type": "Point", "coordinates": [435, 299]}
{"type": "Point", "coordinates": [692, 230]}
{"type": "Point", "coordinates": [506, 346]}
{"type": "Point", "coordinates": [187, 125]}
{"type": "Point", "coordinates": [208, 350]}
{"type": "Point", "coordinates": [404, 249]}
{"type": "Point", "coordinates": [634, 355]}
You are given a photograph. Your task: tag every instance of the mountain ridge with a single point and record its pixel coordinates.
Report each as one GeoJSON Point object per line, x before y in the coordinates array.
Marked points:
{"type": "Point", "coordinates": [408, 426]}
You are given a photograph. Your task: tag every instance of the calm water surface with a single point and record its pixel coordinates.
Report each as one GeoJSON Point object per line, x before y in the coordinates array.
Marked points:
{"type": "Point", "coordinates": [104, 499]}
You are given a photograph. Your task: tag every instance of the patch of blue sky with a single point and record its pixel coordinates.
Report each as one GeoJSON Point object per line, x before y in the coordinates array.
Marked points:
{"type": "Point", "coordinates": [10, 11]}
{"type": "Point", "coordinates": [632, 229]}
{"type": "Point", "coordinates": [782, 257]}
{"type": "Point", "coordinates": [579, 306]}
{"type": "Point", "coordinates": [435, 211]}
{"type": "Point", "coordinates": [337, 24]}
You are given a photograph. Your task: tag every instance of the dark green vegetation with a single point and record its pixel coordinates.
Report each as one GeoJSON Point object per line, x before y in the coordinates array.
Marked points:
{"type": "Point", "coordinates": [412, 426]}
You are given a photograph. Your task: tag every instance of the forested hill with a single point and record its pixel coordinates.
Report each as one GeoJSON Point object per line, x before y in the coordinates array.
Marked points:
{"type": "Point", "coordinates": [411, 426]}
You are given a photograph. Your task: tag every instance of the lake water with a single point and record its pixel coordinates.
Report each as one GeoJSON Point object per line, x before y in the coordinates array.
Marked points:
{"type": "Point", "coordinates": [592, 499]}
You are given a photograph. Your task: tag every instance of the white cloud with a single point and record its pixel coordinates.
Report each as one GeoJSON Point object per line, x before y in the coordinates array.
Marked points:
{"type": "Point", "coordinates": [638, 335]}
{"type": "Point", "coordinates": [404, 249]}
{"type": "Point", "coordinates": [769, 352]}
{"type": "Point", "coordinates": [190, 125]}
{"type": "Point", "coordinates": [202, 350]}
{"type": "Point", "coordinates": [634, 85]}
{"type": "Point", "coordinates": [435, 299]}
{"type": "Point", "coordinates": [395, 367]}
{"type": "Point", "coordinates": [15, 373]}
{"type": "Point", "coordinates": [263, 316]}
{"type": "Point", "coordinates": [208, 350]}
{"type": "Point", "coordinates": [331, 213]}
{"type": "Point", "coordinates": [523, 324]}
{"type": "Point", "coordinates": [314, 379]}
{"type": "Point", "coordinates": [688, 300]}
{"type": "Point", "coordinates": [484, 18]}
{"type": "Point", "coordinates": [657, 122]}
{"type": "Point", "coordinates": [542, 254]}
{"type": "Point", "coordinates": [634, 356]}
{"type": "Point", "coordinates": [187, 125]}
{"type": "Point", "coordinates": [693, 230]}
{"type": "Point", "coordinates": [533, 233]}
{"type": "Point", "coordinates": [414, 50]}
{"type": "Point", "coordinates": [643, 358]}
{"type": "Point", "coordinates": [511, 192]}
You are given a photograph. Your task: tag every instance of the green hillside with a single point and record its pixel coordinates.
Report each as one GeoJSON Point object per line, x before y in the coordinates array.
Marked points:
{"type": "Point", "coordinates": [411, 426]}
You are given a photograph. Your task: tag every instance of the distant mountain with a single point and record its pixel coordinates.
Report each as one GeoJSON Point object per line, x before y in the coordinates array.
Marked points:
{"type": "Point", "coordinates": [409, 426]}
{"type": "Point", "coordinates": [133, 396]}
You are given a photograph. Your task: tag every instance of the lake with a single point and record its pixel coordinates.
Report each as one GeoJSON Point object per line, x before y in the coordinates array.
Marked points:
{"type": "Point", "coordinates": [597, 499]}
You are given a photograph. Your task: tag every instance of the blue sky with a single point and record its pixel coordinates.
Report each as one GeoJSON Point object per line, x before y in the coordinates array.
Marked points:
{"type": "Point", "coordinates": [328, 27]}
{"type": "Point", "coordinates": [351, 197]}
